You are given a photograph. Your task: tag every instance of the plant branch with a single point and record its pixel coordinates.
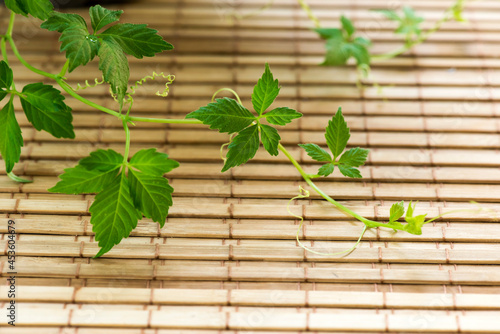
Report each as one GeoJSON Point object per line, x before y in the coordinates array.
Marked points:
{"type": "Point", "coordinates": [165, 120]}
{"type": "Point", "coordinates": [309, 13]}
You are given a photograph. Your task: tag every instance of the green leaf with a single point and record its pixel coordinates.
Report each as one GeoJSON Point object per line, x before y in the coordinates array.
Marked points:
{"type": "Point", "coordinates": [265, 92]}
{"type": "Point", "coordinates": [6, 77]}
{"type": "Point", "coordinates": [354, 157]}
{"type": "Point", "coordinates": [11, 139]}
{"type": "Point", "coordinates": [414, 224]}
{"type": "Point", "coordinates": [282, 116]}
{"type": "Point", "coordinates": [225, 115]}
{"type": "Point", "coordinates": [18, 179]}
{"type": "Point", "coordinates": [114, 67]}
{"type": "Point", "coordinates": [45, 109]}
{"type": "Point", "coordinates": [270, 139]}
{"type": "Point", "coordinates": [327, 33]}
{"type": "Point", "coordinates": [114, 215]}
{"type": "Point", "coordinates": [40, 9]}
{"type": "Point", "coordinates": [243, 147]}
{"type": "Point", "coordinates": [101, 17]}
{"type": "Point", "coordinates": [152, 162]}
{"type": "Point", "coordinates": [359, 52]}
{"type": "Point", "coordinates": [397, 211]}
{"type": "Point", "coordinates": [80, 180]}
{"type": "Point", "coordinates": [102, 160]}
{"type": "Point", "coordinates": [316, 152]}
{"type": "Point", "coordinates": [347, 25]}
{"type": "Point", "coordinates": [390, 14]}
{"type": "Point", "coordinates": [80, 46]}
{"type": "Point", "coordinates": [326, 169]}
{"type": "Point", "coordinates": [136, 39]}
{"type": "Point", "coordinates": [62, 21]}
{"type": "Point", "coordinates": [152, 195]}
{"type": "Point", "coordinates": [337, 134]}
{"type": "Point", "coordinates": [350, 171]}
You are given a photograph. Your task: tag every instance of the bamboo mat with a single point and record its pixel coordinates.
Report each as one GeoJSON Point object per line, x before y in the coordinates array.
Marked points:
{"type": "Point", "coordinates": [227, 261]}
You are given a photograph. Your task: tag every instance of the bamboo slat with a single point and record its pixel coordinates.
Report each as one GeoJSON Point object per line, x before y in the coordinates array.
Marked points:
{"type": "Point", "coordinates": [226, 260]}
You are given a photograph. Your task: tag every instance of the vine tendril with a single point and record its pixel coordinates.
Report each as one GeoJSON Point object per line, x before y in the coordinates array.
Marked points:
{"type": "Point", "coordinates": [303, 193]}
{"type": "Point", "coordinates": [88, 85]}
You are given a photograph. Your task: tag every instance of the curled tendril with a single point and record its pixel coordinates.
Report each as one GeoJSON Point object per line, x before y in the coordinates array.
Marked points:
{"type": "Point", "coordinates": [169, 77]}
{"type": "Point", "coordinates": [224, 145]}
{"type": "Point", "coordinates": [303, 193]}
{"type": "Point", "coordinates": [88, 85]}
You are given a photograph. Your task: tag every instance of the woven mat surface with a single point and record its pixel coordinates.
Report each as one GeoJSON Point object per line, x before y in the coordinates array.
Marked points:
{"type": "Point", "coordinates": [227, 260]}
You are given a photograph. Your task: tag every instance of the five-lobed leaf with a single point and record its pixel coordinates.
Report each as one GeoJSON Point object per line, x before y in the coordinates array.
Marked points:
{"type": "Point", "coordinates": [265, 91]}
{"type": "Point", "coordinates": [152, 195]}
{"type": "Point", "coordinates": [45, 108]}
{"type": "Point", "coordinates": [11, 139]}
{"type": "Point", "coordinates": [154, 163]}
{"type": "Point", "coordinates": [281, 116]}
{"type": "Point", "coordinates": [270, 139]}
{"type": "Point", "coordinates": [136, 39]}
{"type": "Point", "coordinates": [114, 215]}
{"type": "Point", "coordinates": [101, 17]}
{"type": "Point", "coordinates": [225, 115]}
{"type": "Point", "coordinates": [316, 152]}
{"type": "Point", "coordinates": [337, 134]}
{"type": "Point", "coordinates": [243, 147]}
{"type": "Point", "coordinates": [40, 9]}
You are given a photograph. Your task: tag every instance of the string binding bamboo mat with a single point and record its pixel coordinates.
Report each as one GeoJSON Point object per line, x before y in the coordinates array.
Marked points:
{"type": "Point", "coordinates": [226, 260]}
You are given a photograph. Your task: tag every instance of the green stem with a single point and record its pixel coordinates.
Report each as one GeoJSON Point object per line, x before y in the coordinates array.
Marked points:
{"type": "Point", "coordinates": [127, 141]}
{"type": "Point", "coordinates": [165, 120]}
{"type": "Point", "coordinates": [309, 13]}
{"type": "Point", "coordinates": [64, 69]}
{"type": "Point", "coordinates": [228, 90]}
{"type": "Point", "coordinates": [68, 89]}
{"type": "Point", "coordinates": [26, 64]}
{"type": "Point", "coordinates": [307, 178]}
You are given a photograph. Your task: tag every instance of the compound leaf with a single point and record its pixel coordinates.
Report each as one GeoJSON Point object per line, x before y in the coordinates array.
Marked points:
{"type": "Point", "coordinates": [265, 92]}
{"type": "Point", "coordinates": [136, 39]}
{"type": "Point", "coordinates": [316, 152]}
{"type": "Point", "coordinates": [337, 134]}
{"type": "Point", "coordinates": [101, 17]}
{"type": "Point", "coordinates": [282, 116]}
{"type": "Point", "coordinates": [102, 160]}
{"type": "Point", "coordinates": [114, 215]}
{"type": "Point", "coordinates": [243, 147]}
{"type": "Point", "coordinates": [79, 180]}
{"type": "Point", "coordinates": [225, 115]}
{"type": "Point", "coordinates": [152, 195]}
{"type": "Point", "coordinates": [11, 139]}
{"type": "Point", "coordinates": [45, 109]}
{"type": "Point", "coordinates": [152, 162]}
{"type": "Point", "coordinates": [270, 139]}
